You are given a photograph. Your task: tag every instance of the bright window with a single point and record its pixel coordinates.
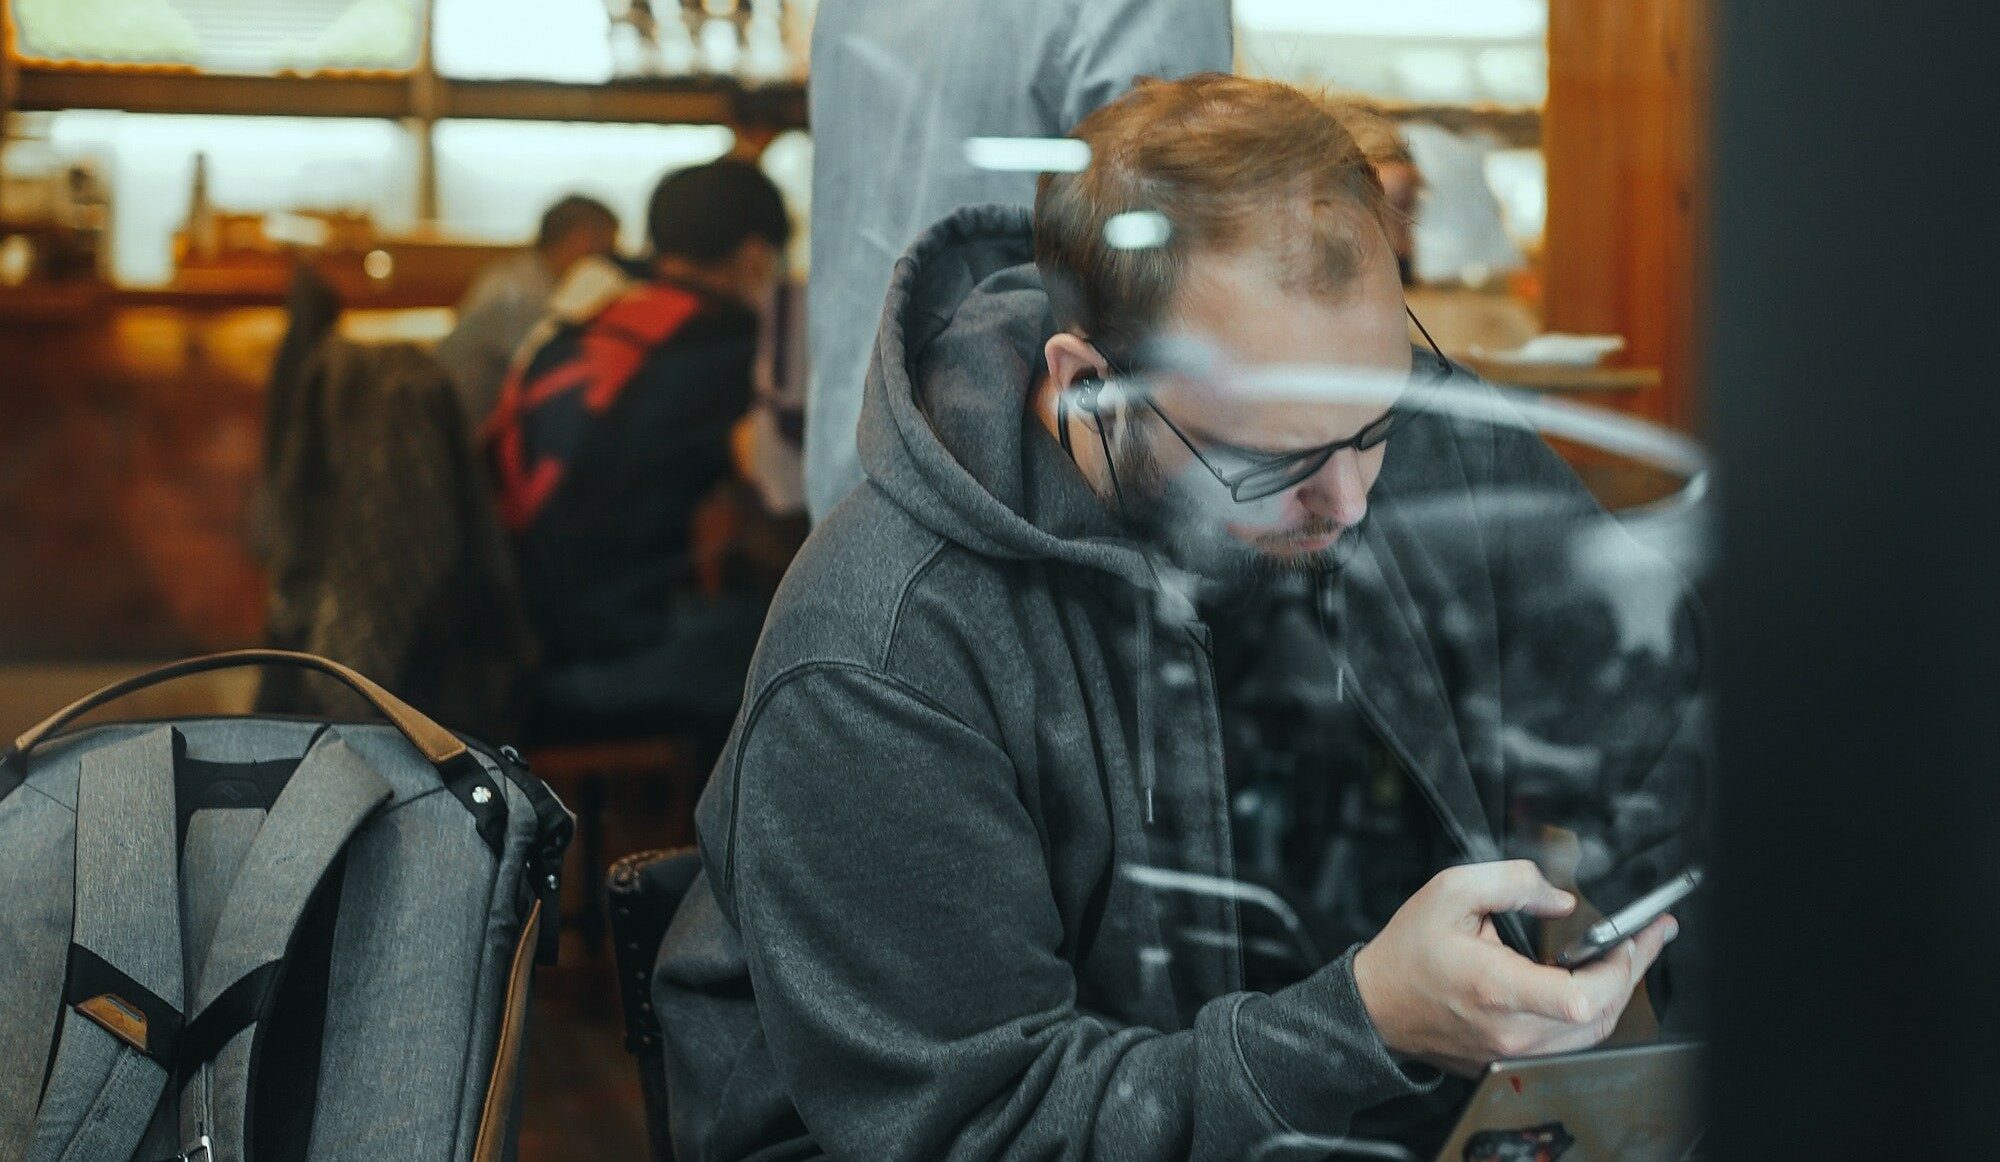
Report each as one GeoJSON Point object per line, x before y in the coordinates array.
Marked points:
{"type": "Point", "coordinates": [254, 164]}
{"type": "Point", "coordinates": [495, 177]}
{"type": "Point", "coordinates": [539, 40]}
{"type": "Point", "coordinates": [1432, 51]}
{"type": "Point", "coordinates": [225, 36]}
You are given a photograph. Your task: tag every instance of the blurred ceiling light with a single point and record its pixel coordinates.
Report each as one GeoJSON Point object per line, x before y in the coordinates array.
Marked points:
{"type": "Point", "coordinates": [1467, 19]}
{"type": "Point", "coordinates": [17, 260]}
{"type": "Point", "coordinates": [1027, 154]}
{"type": "Point", "coordinates": [1137, 230]}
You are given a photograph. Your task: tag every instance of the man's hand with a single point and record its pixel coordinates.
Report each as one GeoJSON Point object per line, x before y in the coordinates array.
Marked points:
{"type": "Point", "coordinates": [1443, 989]}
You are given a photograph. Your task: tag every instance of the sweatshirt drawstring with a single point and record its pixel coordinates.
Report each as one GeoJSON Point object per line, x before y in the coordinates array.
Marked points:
{"type": "Point", "coordinates": [1148, 770]}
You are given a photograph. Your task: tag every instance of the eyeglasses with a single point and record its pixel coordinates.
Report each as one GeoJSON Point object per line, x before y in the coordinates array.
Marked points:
{"type": "Point", "coordinates": [1266, 475]}
{"type": "Point", "coordinates": [1270, 475]}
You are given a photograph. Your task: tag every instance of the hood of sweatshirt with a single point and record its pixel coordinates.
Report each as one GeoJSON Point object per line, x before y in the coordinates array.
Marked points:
{"type": "Point", "coordinates": [945, 426]}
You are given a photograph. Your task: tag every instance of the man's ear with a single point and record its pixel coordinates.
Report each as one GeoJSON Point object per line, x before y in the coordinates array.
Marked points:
{"type": "Point", "coordinates": [1072, 358]}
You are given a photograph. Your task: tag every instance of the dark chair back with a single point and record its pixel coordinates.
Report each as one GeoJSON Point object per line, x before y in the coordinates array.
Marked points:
{"type": "Point", "coordinates": [645, 889]}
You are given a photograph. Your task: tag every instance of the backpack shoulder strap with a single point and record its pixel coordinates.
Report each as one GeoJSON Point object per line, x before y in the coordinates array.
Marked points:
{"type": "Point", "coordinates": [122, 996]}
{"type": "Point", "coordinates": [297, 849]}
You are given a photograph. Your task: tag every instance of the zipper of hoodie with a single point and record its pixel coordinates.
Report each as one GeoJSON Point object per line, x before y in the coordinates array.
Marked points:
{"type": "Point", "coordinates": [1514, 934]}
{"type": "Point", "coordinates": [1459, 835]}
{"type": "Point", "coordinates": [1377, 724]}
{"type": "Point", "coordinates": [1505, 923]}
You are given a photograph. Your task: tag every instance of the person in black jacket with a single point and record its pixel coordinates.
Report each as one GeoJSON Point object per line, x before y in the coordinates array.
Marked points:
{"type": "Point", "coordinates": [970, 886]}
{"type": "Point", "coordinates": [607, 440]}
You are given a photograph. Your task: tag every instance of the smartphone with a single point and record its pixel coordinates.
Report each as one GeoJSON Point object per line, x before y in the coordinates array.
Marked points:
{"type": "Point", "coordinates": [1614, 930]}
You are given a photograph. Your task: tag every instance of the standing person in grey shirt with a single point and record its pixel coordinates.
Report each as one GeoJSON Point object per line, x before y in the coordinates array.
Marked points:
{"type": "Point", "coordinates": [509, 297]}
{"type": "Point", "coordinates": [897, 88]}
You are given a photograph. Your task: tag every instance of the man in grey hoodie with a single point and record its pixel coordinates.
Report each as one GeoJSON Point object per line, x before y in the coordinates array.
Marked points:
{"type": "Point", "coordinates": [967, 860]}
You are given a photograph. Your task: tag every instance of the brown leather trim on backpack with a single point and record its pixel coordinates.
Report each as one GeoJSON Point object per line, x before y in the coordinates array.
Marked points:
{"type": "Point", "coordinates": [490, 1145]}
{"type": "Point", "coordinates": [117, 1018]}
{"type": "Point", "coordinates": [438, 745]}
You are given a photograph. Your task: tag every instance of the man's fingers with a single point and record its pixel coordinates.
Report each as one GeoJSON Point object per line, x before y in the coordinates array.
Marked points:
{"type": "Point", "coordinates": [1533, 1008]}
{"type": "Point", "coordinates": [1513, 984]}
{"type": "Point", "coordinates": [1653, 939]}
{"type": "Point", "coordinates": [1609, 982]}
{"type": "Point", "coordinates": [1514, 885]}
{"type": "Point", "coordinates": [1506, 984]}
{"type": "Point", "coordinates": [1522, 986]}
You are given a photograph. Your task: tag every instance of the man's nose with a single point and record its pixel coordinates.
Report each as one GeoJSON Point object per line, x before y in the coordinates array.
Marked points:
{"type": "Point", "coordinates": [1337, 491]}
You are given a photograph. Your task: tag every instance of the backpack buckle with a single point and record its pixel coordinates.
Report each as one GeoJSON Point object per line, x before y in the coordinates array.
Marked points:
{"type": "Point", "coordinates": [202, 1151]}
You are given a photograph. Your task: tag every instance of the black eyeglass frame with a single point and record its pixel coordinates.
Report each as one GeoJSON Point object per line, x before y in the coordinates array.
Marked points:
{"type": "Point", "coordinates": [1291, 468]}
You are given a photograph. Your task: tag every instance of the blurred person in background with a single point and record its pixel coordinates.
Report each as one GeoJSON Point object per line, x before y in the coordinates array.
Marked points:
{"type": "Point", "coordinates": [961, 855]}
{"type": "Point", "coordinates": [1402, 184]}
{"type": "Point", "coordinates": [897, 88]}
{"type": "Point", "coordinates": [510, 296]}
{"type": "Point", "coordinates": [613, 430]}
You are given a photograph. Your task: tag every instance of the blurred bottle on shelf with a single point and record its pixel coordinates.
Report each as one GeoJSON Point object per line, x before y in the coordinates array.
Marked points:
{"type": "Point", "coordinates": [721, 38]}
{"type": "Point", "coordinates": [755, 42]}
{"type": "Point", "coordinates": [204, 228]}
{"type": "Point", "coordinates": [626, 38]}
{"type": "Point", "coordinates": [798, 21]}
{"type": "Point", "coordinates": [632, 53]}
{"type": "Point", "coordinates": [765, 58]}
{"type": "Point", "coordinates": [679, 55]}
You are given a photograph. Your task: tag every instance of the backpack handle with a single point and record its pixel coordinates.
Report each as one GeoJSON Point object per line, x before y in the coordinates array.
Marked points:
{"type": "Point", "coordinates": [439, 745]}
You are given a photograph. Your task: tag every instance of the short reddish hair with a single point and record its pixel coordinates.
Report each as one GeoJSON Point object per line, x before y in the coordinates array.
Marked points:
{"type": "Point", "coordinates": [1231, 163]}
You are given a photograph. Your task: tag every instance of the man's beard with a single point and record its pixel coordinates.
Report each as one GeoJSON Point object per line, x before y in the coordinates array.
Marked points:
{"type": "Point", "coordinates": [1195, 540]}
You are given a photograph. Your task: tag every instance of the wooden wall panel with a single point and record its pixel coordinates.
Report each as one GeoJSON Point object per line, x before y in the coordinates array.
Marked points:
{"type": "Point", "coordinates": [1624, 138]}
{"type": "Point", "coordinates": [131, 443]}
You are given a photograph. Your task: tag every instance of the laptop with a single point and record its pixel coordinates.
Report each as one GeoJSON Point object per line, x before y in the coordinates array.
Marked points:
{"type": "Point", "coordinates": [1632, 1103]}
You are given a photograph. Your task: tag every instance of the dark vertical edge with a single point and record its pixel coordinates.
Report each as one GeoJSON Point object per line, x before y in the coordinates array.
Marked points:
{"type": "Point", "coordinates": [1853, 410]}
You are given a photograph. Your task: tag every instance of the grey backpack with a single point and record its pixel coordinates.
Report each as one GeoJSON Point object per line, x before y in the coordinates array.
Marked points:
{"type": "Point", "coordinates": [264, 938]}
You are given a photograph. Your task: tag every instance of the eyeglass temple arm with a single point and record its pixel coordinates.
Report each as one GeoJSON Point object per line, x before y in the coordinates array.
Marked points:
{"type": "Point", "coordinates": [1190, 445]}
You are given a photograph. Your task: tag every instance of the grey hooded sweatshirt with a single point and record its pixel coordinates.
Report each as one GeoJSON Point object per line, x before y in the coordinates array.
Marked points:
{"type": "Point", "coordinates": [973, 715]}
